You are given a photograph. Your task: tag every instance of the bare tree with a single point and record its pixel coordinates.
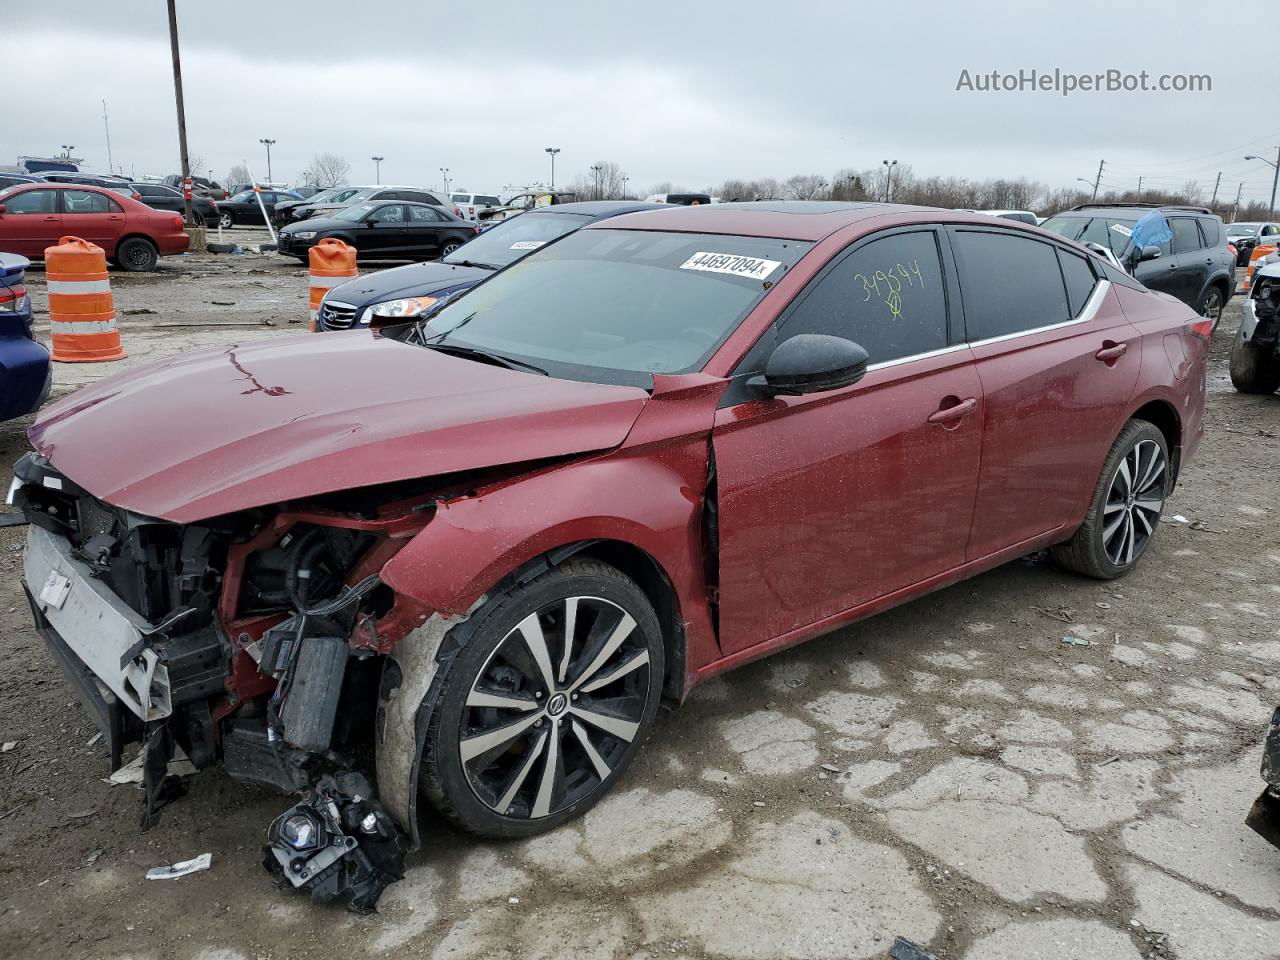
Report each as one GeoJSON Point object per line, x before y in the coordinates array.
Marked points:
{"type": "Point", "coordinates": [237, 175]}
{"type": "Point", "coordinates": [327, 170]}
{"type": "Point", "coordinates": [806, 186]}
{"type": "Point", "coordinates": [603, 181]}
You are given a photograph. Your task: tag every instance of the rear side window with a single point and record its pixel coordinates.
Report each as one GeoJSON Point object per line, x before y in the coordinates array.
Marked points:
{"type": "Point", "coordinates": [31, 201]}
{"type": "Point", "coordinates": [424, 215]}
{"type": "Point", "coordinates": [1211, 227]}
{"type": "Point", "coordinates": [1009, 283]}
{"type": "Point", "coordinates": [1079, 279]}
{"type": "Point", "coordinates": [82, 201]}
{"type": "Point", "coordinates": [1186, 236]}
{"type": "Point", "coordinates": [887, 295]}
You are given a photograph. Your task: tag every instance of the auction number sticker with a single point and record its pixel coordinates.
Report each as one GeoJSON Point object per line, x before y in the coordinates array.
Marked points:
{"type": "Point", "coordinates": [1121, 229]}
{"type": "Point", "coordinates": [527, 244]}
{"type": "Point", "coordinates": [753, 268]}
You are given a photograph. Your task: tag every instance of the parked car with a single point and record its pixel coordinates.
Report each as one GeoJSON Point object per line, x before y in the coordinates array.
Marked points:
{"type": "Point", "coordinates": [521, 202]}
{"type": "Point", "coordinates": [243, 209]}
{"type": "Point", "coordinates": [160, 197]}
{"type": "Point", "coordinates": [291, 211]}
{"type": "Point", "coordinates": [18, 179]}
{"type": "Point", "coordinates": [1022, 216]}
{"type": "Point", "coordinates": [409, 291]}
{"type": "Point", "coordinates": [106, 180]}
{"type": "Point", "coordinates": [1195, 266]}
{"type": "Point", "coordinates": [659, 448]}
{"type": "Point", "coordinates": [132, 234]}
{"type": "Point", "coordinates": [1255, 352]}
{"type": "Point", "coordinates": [476, 206]}
{"type": "Point", "coordinates": [382, 230]}
{"type": "Point", "coordinates": [1246, 236]}
{"type": "Point", "coordinates": [683, 199]}
{"type": "Point", "coordinates": [200, 186]}
{"type": "Point", "coordinates": [25, 372]}
{"type": "Point", "coordinates": [323, 208]}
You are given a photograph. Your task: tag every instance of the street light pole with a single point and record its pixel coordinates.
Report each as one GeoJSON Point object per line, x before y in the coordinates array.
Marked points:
{"type": "Point", "coordinates": [377, 168]}
{"type": "Point", "coordinates": [268, 143]}
{"type": "Point", "coordinates": [625, 181]}
{"type": "Point", "coordinates": [597, 173]}
{"type": "Point", "coordinates": [444, 172]}
{"type": "Point", "coordinates": [888, 180]}
{"type": "Point", "coordinates": [1275, 178]}
{"type": "Point", "coordinates": [553, 151]}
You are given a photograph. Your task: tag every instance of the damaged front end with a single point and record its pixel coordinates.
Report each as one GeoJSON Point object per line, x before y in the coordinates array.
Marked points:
{"type": "Point", "coordinates": [256, 640]}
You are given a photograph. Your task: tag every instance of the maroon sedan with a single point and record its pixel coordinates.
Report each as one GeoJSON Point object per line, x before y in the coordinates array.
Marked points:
{"type": "Point", "coordinates": [36, 216]}
{"type": "Point", "coordinates": [488, 544]}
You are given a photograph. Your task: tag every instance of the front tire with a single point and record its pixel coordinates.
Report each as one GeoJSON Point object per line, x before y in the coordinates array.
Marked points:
{"type": "Point", "coordinates": [554, 686]}
{"type": "Point", "coordinates": [1253, 369]}
{"type": "Point", "coordinates": [137, 255]}
{"type": "Point", "coordinates": [226, 220]}
{"type": "Point", "coordinates": [1125, 509]}
{"type": "Point", "coordinates": [449, 248]}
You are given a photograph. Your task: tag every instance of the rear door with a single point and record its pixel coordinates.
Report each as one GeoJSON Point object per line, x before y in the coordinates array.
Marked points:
{"type": "Point", "coordinates": [92, 216]}
{"type": "Point", "coordinates": [423, 232]}
{"type": "Point", "coordinates": [1194, 262]}
{"type": "Point", "coordinates": [830, 500]}
{"type": "Point", "coordinates": [30, 222]}
{"type": "Point", "coordinates": [386, 231]}
{"type": "Point", "coordinates": [1058, 364]}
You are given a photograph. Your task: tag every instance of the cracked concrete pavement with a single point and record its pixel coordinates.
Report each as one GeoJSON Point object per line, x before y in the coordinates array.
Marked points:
{"type": "Point", "coordinates": [950, 771]}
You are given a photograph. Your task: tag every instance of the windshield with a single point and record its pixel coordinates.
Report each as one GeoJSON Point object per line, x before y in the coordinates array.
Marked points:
{"type": "Point", "coordinates": [512, 239]}
{"type": "Point", "coordinates": [617, 306]}
{"type": "Point", "coordinates": [355, 212]}
{"type": "Point", "coordinates": [1241, 229]}
{"type": "Point", "coordinates": [1110, 232]}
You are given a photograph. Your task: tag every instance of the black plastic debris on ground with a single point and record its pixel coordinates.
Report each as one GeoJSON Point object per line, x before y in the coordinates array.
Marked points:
{"type": "Point", "coordinates": [337, 844]}
{"type": "Point", "coordinates": [904, 949]}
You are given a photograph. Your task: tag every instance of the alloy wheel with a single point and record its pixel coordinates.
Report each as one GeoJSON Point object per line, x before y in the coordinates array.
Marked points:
{"type": "Point", "coordinates": [1134, 502]}
{"type": "Point", "coordinates": [449, 248]}
{"type": "Point", "coordinates": [225, 221]}
{"type": "Point", "coordinates": [555, 707]}
{"type": "Point", "coordinates": [1212, 308]}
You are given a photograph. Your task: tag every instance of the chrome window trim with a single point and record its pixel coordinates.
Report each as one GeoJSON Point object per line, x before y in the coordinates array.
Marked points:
{"type": "Point", "coordinates": [941, 351]}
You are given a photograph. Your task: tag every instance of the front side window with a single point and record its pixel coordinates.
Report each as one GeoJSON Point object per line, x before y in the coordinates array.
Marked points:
{"type": "Point", "coordinates": [888, 296]}
{"type": "Point", "coordinates": [31, 201]}
{"type": "Point", "coordinates": [82, 201]}
{"type": "Point", "coordinates": [389, 214]}
{"type": "Point", "coordinates": [617, 306]}
{"type": "Point", "coordinates": [1009, 283]}
{"type": "Point", "coordinates": [355, 212]}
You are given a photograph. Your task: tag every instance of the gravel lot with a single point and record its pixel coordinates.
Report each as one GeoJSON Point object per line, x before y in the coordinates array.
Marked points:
{"type": "Point", "coordinates": [951, 771]}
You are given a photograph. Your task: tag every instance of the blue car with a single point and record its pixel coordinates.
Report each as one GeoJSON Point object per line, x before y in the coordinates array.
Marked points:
{"type": "Point", "coordinates": [25, 372]}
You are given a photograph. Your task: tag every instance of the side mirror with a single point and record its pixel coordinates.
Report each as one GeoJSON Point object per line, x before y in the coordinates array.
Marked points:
{"type": "Point", "coordinates": [812, 363]}
{"type": "Point", "coordinates": [1149, 252]}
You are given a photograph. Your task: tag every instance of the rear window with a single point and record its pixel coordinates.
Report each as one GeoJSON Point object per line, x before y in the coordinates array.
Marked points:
{"type": "Point", "coordinates": [488, 201]}
{"type": "Point", "coordinates": [460, 197]}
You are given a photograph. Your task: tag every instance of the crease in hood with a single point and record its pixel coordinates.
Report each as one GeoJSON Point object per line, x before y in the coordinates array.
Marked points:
{"type": "Point", "coordinates": [248, 425]}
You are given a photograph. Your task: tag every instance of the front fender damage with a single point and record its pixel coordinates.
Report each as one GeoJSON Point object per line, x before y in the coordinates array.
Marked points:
{"type": "Point", "coordinates": [407, 675]}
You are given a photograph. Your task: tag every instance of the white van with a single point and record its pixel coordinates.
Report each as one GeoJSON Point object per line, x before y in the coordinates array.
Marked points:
{"type": "Point", "coordinates": [474, 205]}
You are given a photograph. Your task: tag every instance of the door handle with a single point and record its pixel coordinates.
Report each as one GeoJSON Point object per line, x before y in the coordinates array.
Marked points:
{"type": "Point", "coordinates": [51, 219]}
{"type": "Point", "coordinates": [1111, 351]}
{"type": "Point", "coordinates": [955, 411]}
{"type": "Point", "coordinates": [1173, 266]}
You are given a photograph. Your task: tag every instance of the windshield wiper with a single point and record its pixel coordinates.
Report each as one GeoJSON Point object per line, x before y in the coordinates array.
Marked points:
{"type": "Point", "coordinates": [477, 353]}
{"type": "Point", "coordinates": [473, 263]}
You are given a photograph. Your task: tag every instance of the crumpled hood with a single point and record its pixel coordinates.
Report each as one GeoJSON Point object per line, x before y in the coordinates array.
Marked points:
{"type": "Point", "coordinates": [252, 424]}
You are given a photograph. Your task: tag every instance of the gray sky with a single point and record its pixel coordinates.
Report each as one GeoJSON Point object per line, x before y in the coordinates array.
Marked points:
{"type": "Point", "coordinates": [692, 93]}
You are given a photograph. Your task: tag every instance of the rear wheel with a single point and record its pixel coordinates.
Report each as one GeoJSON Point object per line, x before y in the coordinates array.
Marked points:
{"type": "Point", "coordinates": [226, 220]}
{"type": "Point", "coordinates": [1126, 506]}
{"type": "Point", "coordinates": [137, 255]}
{"type": "Point", "coordinates": [1254, 369]}
{"type": "Point", "coordinates": [1212, 304]}
{"type": "Point", "coordinates": [553, 688]}
{"type": "Point", "coordinates": [449, 247]}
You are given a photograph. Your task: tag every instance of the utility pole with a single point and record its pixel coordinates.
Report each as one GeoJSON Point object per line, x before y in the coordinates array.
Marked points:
{"type": "Point", "coordinates": [111, 168]}
{"type": "Point", "coordinates": [1098, 179]}
{"type": "Point", "coordinates": [553, 151]}
{"type": "Point", "coordinates": [1275, 180]}
{"type": "Point", "coordinates": [182, 113]}
{"type": "Point", "coordinates": [1139, 189]}
{"type": "Point", "coordinates": [1236, 209]}
{"type": "Point", "coordinates": [1217, 184]}
{"type": "Point", "coordinates": [377, 176]}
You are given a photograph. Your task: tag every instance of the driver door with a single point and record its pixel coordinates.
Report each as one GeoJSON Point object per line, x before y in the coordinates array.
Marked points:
{"type": "Point", "coordinates": [830, 500]}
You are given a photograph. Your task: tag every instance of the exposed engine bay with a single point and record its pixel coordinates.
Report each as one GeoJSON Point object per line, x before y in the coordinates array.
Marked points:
{"type": "Point", "coordinates": [255, 640]}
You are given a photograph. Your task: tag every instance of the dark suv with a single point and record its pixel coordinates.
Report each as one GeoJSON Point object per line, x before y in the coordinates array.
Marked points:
{"type": "Point", "coordinates": [1194, 266]}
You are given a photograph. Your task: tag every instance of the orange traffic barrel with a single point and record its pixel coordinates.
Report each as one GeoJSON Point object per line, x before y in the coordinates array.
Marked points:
{"type": "Point", "coordinates": [332, 262]}
{"type": "Point", "coordinates": [1260, 251]}
{"type": "Point", "coordinates": [81, 310]}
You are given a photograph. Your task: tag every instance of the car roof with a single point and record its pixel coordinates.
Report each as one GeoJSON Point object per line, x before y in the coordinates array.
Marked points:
{"type": "Point", "coordinates": [1092, 209]}
{"type": "Point", "coordinates": [784, 219]}
{"type": "Point", "coordinates": [600, 208]}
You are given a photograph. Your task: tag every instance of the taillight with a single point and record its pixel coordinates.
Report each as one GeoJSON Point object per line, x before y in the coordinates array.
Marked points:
{"type": "Point", "coordinates": [177, 223]}
{"type": "Point", "coordinates": [458, 213]}
{"type": "Point", "coordinates": [13, 299]}
{"type": "Point", "coordinates": [1201, 327]}
{"type": "Point", "coordinates": [476, 228]}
